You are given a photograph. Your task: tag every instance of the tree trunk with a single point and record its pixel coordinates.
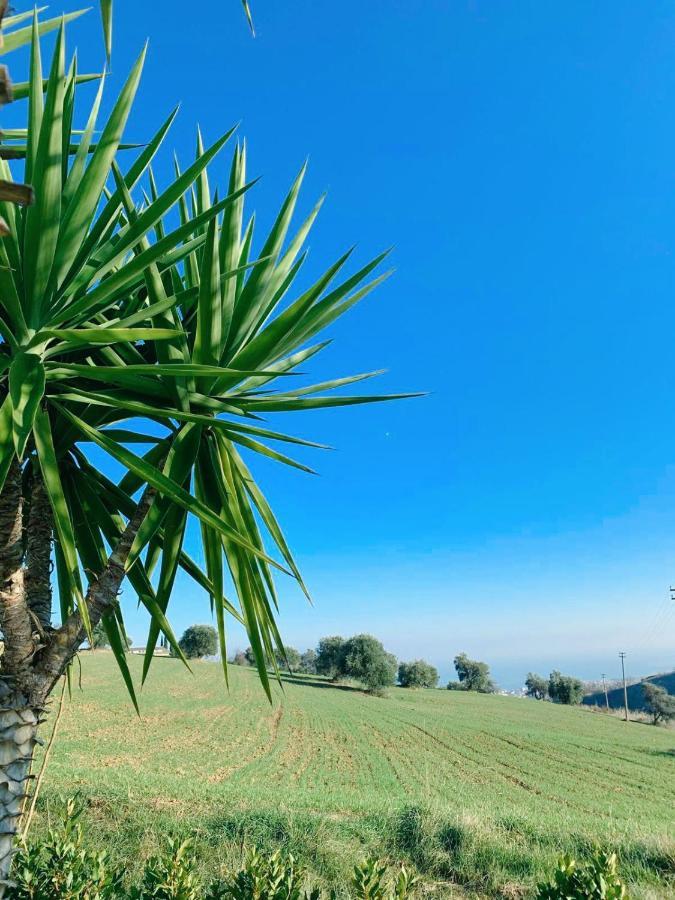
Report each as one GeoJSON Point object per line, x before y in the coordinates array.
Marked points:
{"type": "Point", "coordinates": [18, 720]}
{"type": "Point", "coordinates": [35, 655]}
{"type": "Point", "coordinates": [15, 620]}
{"type": "Point", "coordinates": [39, 554]}
{"type": "Point", "coordinates": [18, 737]}
{"type": "Point", "coordinates": [101, 598]}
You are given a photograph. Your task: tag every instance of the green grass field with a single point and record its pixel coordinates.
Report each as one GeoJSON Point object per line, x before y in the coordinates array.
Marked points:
{"type": "Point", "coordinates": [479, 793]}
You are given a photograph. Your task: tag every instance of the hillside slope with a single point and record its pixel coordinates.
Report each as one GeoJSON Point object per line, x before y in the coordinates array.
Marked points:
{"type": "Point", "coordinates": [480, 791]}
{"type": "Point", "coordinates": [634, 692]}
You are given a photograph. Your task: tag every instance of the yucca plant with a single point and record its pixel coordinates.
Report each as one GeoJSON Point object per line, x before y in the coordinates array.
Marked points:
{"type": "Point", "coordinates": [114, 309]}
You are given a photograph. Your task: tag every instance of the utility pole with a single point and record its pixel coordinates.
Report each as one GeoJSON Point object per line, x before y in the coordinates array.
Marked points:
{"type": "Point", "coordinates": [604, 687]}
{"type": "Point", "coordinates": [625, 692]}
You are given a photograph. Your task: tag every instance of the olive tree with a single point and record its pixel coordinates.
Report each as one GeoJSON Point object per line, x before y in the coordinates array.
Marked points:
{"type": "Point", "coordinates": [308, 662]}
{"type": "Point", "coordinates": [417, 674]}
{"type": "Point", "coordinates": [199, 641]}
{"type": "Point", "coordinates": [536, 686]}
{"type": "Point", "coordinates": [473, 675]}
{"type": "Point", "coordinates": [565, 689]}
{"type": "Point", "coordinates": [366, 660]}
{"type": "Point", "coordinates": [330, 657]}
{"type": "Point", "coordinates": [288, 659]}
{"type": "Point", "coordinates": [658, 702]}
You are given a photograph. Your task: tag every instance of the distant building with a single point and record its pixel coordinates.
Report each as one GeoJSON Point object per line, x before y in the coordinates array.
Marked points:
{"type": "Point", "coordinates": [159, 651]}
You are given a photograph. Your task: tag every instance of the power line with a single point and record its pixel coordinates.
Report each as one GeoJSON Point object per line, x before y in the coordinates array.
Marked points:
{"type": "Point", "coordinates": [663, 610]}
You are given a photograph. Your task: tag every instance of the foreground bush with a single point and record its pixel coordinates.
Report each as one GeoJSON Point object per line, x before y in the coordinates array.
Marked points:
{"type": "Point", "coordinates": [62, 868]}
{"type": "Point", "coordinates": [170, 875]}
{"type": "Point", "coordinates": [597, 879]}
{"type": "Point", "coordinates": [275, 877]}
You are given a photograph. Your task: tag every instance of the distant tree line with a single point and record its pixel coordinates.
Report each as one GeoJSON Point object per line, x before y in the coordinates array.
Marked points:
{"type": "Point", "coordinates": [290, 660]}
{"type": "Point", "coordinates": [361, 658]}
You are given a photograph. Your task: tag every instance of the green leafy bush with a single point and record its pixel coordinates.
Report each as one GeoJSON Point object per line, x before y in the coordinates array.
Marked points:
{"type": "Point", "coordinates": [61, 867]}
{"type": "Point", "coordinates": [371, 882]}
{"type": "Point", "coordinates": [596, 879]}
{"type": "Point", "coordinates": [275, 877]}
{"type": "Point", "coordinates": [170, 875]}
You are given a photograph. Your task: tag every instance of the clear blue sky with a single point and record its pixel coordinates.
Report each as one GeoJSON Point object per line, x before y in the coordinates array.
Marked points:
{"type": "Point", "coordinates": [521, 158]}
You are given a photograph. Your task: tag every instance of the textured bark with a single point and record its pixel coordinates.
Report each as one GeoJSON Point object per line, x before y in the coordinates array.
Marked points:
{"type": "Point", "coordinates": [39, 554]}
{"type": "Point", "coordinates": [15, 619]}
{"type": "Point", "coordinates": [32, 662]}
{"type": "Point", "coordinates": [18, 719]}
{"type": "Point", "coordinates": [18, 737]}
{"type": "Point", "coordinates": [101, 597]}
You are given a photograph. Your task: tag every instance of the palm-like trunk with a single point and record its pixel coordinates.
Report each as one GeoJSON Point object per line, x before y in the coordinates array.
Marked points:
{"type": "Point", "coordinates": [18, 721]}
{"type": "Point", "coordinates": [101, 598]}
{"type": "Point", "coordinates": [35, 654]}
{"type": "Point", "coordinates": [18, 737]}
{"type": "Point", "coordinates": [39, 554]}
{"type": "Point", "coordinates": [15, 619]}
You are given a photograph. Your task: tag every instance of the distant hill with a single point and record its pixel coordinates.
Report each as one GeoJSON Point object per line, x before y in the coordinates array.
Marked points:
{"type": "Point", "coordinates": [635, 694]}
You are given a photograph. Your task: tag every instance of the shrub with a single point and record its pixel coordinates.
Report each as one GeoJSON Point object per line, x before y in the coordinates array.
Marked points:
{"type": "Point", "coordinates": [536, 686]}
{"type": "Point", "coordinates": [456, 685]}
{"type": "Point", "coordinates": [658, 702]}
{"type": "Point", "coordinates": [366, 660]}
{"type": "Point", "coordinates": [199, 641]}
{"type": "Point", "coordinates": [330, 657]}
{"type": "Point", "coordinates": [240, 659]}
{"type": "Point", "coordinates": [275, 877]}
{"type": "Point", "coordinates": [170, 875]}
{"type": "Point", "coordinates": [288, 659]}
{"type": "Point", "coordinates": [371, 882]}
{"type": "Point", "coordinates": [474, 675]}
{"type": "Point", "coordinates": [61, 867]}
{"type": "Point", "coordinates": [565, 689]}
{"type": "Point", "coordinates": [595, 880]}
{"type": "Point", "coordinates": [417, 674]}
